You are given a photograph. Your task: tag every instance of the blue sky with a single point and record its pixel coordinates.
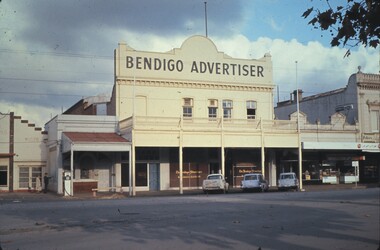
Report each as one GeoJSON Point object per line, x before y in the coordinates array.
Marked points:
{"type": "Point", "coordinates": [53, 52]}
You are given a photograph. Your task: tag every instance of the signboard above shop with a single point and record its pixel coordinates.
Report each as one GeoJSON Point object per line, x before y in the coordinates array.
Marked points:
{"type": "Point", "coordinates": [369, 147]}
{"type": "Point", "coordinates": [197, 59]}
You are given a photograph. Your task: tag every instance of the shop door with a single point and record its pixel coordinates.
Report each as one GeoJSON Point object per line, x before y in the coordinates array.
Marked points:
{"type": "Point", "coordinates": [154, 177]}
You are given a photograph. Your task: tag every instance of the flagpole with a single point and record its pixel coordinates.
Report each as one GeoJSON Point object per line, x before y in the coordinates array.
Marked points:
{"type": "Point", "coordinates": [206, 18]}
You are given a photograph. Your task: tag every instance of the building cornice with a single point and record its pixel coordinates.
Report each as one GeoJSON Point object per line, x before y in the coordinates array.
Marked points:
{"type": "Point", "coordinates": [369, 86]}
{"type": "Point", "coordinates": [368, 78]}
{"type": "Point", "coordinates": [195, 85]}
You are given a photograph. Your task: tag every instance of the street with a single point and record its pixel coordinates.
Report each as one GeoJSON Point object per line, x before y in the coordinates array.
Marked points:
{"type": "Point", "coordinates": [341, 219]}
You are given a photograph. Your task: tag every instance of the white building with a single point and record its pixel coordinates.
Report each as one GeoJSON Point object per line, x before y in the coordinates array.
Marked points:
{"type": "Point", "coordinates": [327, 115]}
{"type": "Point", "coordinates": [87, 151]}
{"type": "Point", "coordinates": [22, 153]}
{"type": "Point", "coordinates": [194, 111]}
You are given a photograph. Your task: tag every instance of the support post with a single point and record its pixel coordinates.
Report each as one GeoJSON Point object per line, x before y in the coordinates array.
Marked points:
{"type": "Point", "coordinates": [181, 157]}
{"type": "Point", "coordinates": [223, 165]}
{"type": "Point", "coordinates": [72, 170]}
{"type": "Point", "coordinates": [262, 148]}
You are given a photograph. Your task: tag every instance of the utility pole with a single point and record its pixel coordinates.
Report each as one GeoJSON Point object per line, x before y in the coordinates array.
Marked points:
{"type": "Point", "coordinates": [206, 18]}
{"type": "Point", "coordinates": [299, 133]}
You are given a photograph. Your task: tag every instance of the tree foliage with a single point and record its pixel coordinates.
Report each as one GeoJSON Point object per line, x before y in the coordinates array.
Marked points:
{"type": "Point", "coordinates": [358, 22]}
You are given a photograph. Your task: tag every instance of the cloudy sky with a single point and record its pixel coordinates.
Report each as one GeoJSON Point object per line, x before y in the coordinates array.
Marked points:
{"type": "Point", "coordinates": [53, 53]}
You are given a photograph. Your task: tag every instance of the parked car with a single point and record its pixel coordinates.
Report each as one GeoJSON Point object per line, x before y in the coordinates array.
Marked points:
{"type": "Point", "coordinates": [288, 181]}
{"type": "Point", "coordinates": [215, 182]}
{"type": "Point", "coordinates": [254, 182]}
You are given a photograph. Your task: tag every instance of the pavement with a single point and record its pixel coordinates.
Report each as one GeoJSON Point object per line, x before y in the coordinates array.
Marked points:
{"type": "Point", "coordinates": [51, 196]}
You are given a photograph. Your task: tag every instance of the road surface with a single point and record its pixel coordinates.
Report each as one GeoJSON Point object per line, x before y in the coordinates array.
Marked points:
{"type": "Point", "coordinates": [343, 219]}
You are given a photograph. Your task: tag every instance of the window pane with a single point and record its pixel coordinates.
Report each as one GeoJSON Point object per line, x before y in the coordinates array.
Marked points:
{"type": "Point", "coordinates": [212, 112]}
{"type": "Point", "coordinates": [3, 176]}
{"type": "Point", "coordinates": [251, 113]}
{"type": "Point", "coordinates": [24, 177]}
{"type": "Point", "coordinates": [227, 104]}
{"type": "Point", "coordinates": [36, 172]}
{"type": "Point", "coordinates": [187, 112]}
{"type": "Point", "coordinates": [251, 105]}
{"type": "Point", "coordinates": [227, 113]}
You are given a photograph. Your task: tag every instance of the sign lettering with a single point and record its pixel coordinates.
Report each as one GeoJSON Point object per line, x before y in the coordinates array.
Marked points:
{"type": "Point", "coordinates": [197, 67]}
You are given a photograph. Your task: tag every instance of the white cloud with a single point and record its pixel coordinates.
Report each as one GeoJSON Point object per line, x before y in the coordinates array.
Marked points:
{"type": "Point", "coordinates": [319, 68]}
{"type": "Point", "coordinates": [35, 114]}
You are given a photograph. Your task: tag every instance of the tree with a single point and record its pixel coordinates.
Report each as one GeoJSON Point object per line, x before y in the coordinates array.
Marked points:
{"type": "Point", "coordinates": [358, 22]}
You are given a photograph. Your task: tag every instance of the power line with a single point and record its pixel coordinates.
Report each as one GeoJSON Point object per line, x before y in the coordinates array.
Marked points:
{"type": "Point", "coordinates": [39, 94]}
{"type": "Point", "coordinates": [64, 54]}
{"type": "Point", "coordinates": [55, 81]}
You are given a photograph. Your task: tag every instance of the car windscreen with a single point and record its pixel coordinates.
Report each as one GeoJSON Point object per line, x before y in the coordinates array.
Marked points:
{"type": "Point", "coordinates": [250, 177]}
{"type": "Point", "coordinates": [214, 177]}
{"type": "Point", "coordinates": [287, 176]}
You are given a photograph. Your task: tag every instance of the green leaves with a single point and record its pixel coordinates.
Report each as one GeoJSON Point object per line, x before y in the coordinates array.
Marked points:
{"type": "Point", "coordinates": [358, 22]}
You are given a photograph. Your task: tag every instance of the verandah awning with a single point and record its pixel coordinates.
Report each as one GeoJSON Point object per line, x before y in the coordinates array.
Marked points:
{"type": "Point", "coordinates": [93, 141]}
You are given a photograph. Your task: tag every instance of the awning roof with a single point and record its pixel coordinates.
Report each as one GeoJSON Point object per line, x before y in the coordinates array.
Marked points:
{"type": "Point", "coordinates": [94, 137]}
{"type": "Point", "coordinates": [92, 141]}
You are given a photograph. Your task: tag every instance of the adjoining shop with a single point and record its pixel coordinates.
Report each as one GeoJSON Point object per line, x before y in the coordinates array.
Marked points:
{"type": "Point", "coordinates": [91, 161]}
{"type": "Point", "coordinates": [334, 163]}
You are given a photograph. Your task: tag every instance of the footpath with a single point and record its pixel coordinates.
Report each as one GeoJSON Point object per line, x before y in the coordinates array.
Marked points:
{"type": "Point", "coordinates": [51, 196]}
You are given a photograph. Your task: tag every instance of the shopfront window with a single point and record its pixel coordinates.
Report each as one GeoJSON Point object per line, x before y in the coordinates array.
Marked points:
{"type": "Point", "coordinates": [23, 177]}
{"type": "Point", "coordinates": [125, 174]}
{"type": "Point", "coordinates": [141, 175]}
{"type": "Point", "coordinates": [27, 176]}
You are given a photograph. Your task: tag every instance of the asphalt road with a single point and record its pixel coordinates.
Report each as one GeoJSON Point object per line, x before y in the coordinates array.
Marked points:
{"type": "Point", "coordinates": [341, 219]}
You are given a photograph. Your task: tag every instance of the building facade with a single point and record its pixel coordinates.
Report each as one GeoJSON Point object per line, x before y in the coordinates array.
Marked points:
{"type": "Point", "coordinates": [22, 154]}
{"type": "Point", "coordinates": [328, 155]}
{"type": "Point", "coordinates": [194, 111]}
{"type": "Point", "coordinates": [85, 153]}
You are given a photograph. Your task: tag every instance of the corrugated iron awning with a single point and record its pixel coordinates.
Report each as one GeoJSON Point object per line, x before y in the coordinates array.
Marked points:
{"type": "Point", "coordinates": [92, 141]}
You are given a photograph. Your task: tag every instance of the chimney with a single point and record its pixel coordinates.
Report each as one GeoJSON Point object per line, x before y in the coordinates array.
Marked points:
{"type": "Point", "coordinates": [299, 95]}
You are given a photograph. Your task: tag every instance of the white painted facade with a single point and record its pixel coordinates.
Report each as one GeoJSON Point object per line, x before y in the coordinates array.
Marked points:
{"type": "Point", "coordinates": [169, 106]}
{"type": "Point", "coordinates": [61, 151]}
{"type": "Point", "coordinates": [22, 153]}
{"type": "Point", "coordinates": [342, 123]}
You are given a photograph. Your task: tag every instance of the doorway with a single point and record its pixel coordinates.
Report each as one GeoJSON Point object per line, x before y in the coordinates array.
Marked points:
{"type": "Point", "coordinates": [154, 177]}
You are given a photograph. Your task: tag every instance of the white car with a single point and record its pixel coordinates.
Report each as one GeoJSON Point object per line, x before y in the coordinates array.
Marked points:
{"type": "Point", "coordinates": [254, 182]}
{"type": "Point", "coordinates": [215, 182]}
{"type": "Point", "coordinates": [288, 181]}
